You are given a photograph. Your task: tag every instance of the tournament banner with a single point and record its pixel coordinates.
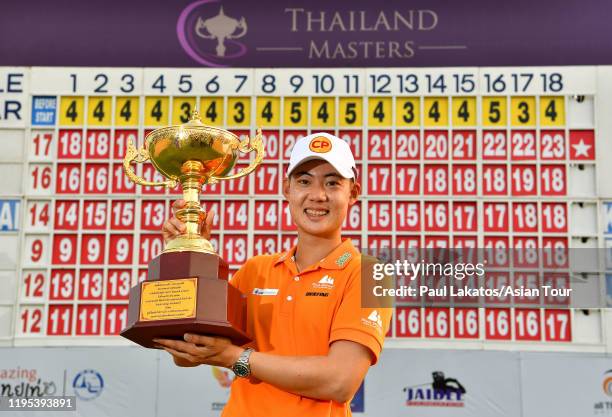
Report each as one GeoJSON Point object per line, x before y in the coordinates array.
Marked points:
{"type": "Point", "coordinates": [213, 33]}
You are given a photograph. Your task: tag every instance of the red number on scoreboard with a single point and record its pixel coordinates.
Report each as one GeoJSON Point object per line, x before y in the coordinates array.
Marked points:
{"type": "Point", "coordinates": [466, 323]}
{"type": "Point", "coordinates": [408, 322]}
{"type": "Point", "coordinates": [92, 249]}
{"type": "Point", "coordinates": [407, 179]}
{"type": "Point", "coordinates": [121, 140]}
{"type": "Point", "coordinates": [496, 217]}
{"type": "Point", "coordinates": [64, 250]}
{"type": "Point", "coordinates": [408, 145]}
{"type": "Point", "coordinates": [464, 179]}
{"type": "Point", "coordinates": [525, 250]}
{"type": "Point", "coordinates": [379, 216]}
{"type": "Point", "coordinates": [437, 322]}
{"type": "Point", "coordinates": [241, 185]}
{"type": "Point", "coordinates": [464, 217]}
{"type": "Point", "coordinates": [289, 139]}
{"type": "Point", "coordinates": [409, 242]}
{"type": "Point", "coordinates": [122, 214]}
{"type": "Point", "coordinates": [33, 284]}
{"type": "Point", "coordinates": [436, 242]}
{"type": "Point", "coordinates": [288, 241]}
{"type": "Point", "coordinates": [243, 135]}
{"type": "Point", "coordinates": [352, 221]}
{"type": "Point", "coordinates": [96, 178]}
{"type": "Point", "coordinates": [149, 173]}
{"type": "Point", "coordinates": [235, 249]}
{"type": "Point", "coordinates": [379, 242]}
{"type": "Point", "coordinates": [118, 284]}
{"type": "Point", "coordinates": [97, 144]}
{"type": "Point", "coordinates": [494, 180]}
{"type": "Point", "coordinates": [59, 320]}
{"type": "Point", "coordinates": [525, 217]}
{"type": "Point", "coordinates": [271, 144]}
{"type": "Point", "coordinates": [436, 216]}
{"type": "Point", "coordinates": [31, 320]}
{"type": "Point", "coordinates": [68, 179]}
{"type": "Point", "coordinates": [494, 145]}
{"type": "Point", "coordinates": [38, 250]}
{"type": "Point", "coordinates": [143, 273]}
{"type": "Point", "coordinates": [554, 218]}
{"type": "Point", "coordinates": [266, 179]}
{"type": "Point", "coordinates": [552, 145]}
{"type": "Point", "coordinates": [523, 145]}
{"type": "Point", "coordinates": [88, 320]}
{"type": "Point", "coordinates": [265, 244]}
{"type": "Point", "coordinates": [70, 144]}
{"type": "Point", "coordinates": [94, 214]}
{"type": "Point", "coordinates": [41, 177]}
{"type": "Point", "coordinates": [287, 222]}
{"type": "Point", "coordinates": [464, 145]}
{"type": "Point", "coordinates": [38, 214]}
{"type": "Point", "coordinates": [62, 284]}
{"type": "Point", "coordinates": [215, 207]}
{"type": "Point", "coordinates": [379, 145]}
{"type": "Point", "coordinates": [527, 324]}
{"type": "Point", "coordinates": [497, 324]}
{"type": "Point", "coordinates": [408, 216]}
{"type": "Point", "coordinates": [435, 179]}
{"type": "Point", "coordinates": [66, 215]}
{"type": "Point", "coordinates": [115, 319]}
{"type": "Point", "coordinates": [529, 281]}
{"type": "Point", "coordinates": [557, 325]}
{"type": "Point", "coordinates": [555, 252]}
{"type": "Point", "coordinates": [121, 184]}
{"type": "Point", "coordinates": [153, 213]}
{"type": "Point", "coordinates": [353, 138]}
{"type": "Point", "coordinates": [552, 180]}
{"type": "Point", "coordinates": [91, 284]}
{"type": "Point", "coordinates": [436, 145]}
{"type": "Point", "coordinates": [379, 179]}
{"type": "Point", "coordinates": [120, 249]}
{"type": "Point", "coordinates": [466, 243]}
{"type": "Point", "coordinates": [266, 215]}
{"type": "Point", "coordinates": [236, 214]}
{"type": "Point", "coordinates": [496, 281]}
{"type": "Point", "coordinates": [150, 247]}
{"type": "Point", "coordinates": [41, 145]}
{"type": "Point", "coordinates": [496, 250]}
{"type": "Point", "coordinates": [523, 180]}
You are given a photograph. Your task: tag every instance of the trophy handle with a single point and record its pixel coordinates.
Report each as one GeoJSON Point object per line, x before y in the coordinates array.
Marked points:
{"type": "Point", "coordinates": [139, 156]}
{"type": "Point", "coordinates": [246, 146]}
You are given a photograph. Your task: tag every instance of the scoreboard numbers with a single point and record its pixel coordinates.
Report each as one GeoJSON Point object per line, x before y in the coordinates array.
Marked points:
{"type": "Point", "coordinates": [447, 157]}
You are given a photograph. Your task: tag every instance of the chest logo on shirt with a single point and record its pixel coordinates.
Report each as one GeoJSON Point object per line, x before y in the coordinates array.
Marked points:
{"type": "Point", "coordinates": [326, 283]}
{"type": "Point", "coordinates": [265, 291]}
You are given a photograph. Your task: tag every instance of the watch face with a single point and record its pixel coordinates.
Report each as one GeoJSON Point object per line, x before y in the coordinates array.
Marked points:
{"type": "Point", "coordinates": [241, 369]}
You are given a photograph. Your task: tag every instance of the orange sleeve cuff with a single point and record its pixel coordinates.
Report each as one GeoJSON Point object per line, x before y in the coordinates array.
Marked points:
{"type": "Point", "coordinates": [358, 336]}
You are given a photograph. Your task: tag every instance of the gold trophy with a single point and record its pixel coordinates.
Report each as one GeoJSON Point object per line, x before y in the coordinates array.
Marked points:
{"type": "Point", "coordinates": [187, 289]}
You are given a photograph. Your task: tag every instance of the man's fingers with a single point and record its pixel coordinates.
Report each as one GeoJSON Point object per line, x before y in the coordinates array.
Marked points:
{"type": "Point", "coordinates": [178, 225]}
{"type": "Point", "coordinates": [210, 218]}
{"type": "Point", "coordinates": [177, 204]}
{"type": "Point", "coordinates": [179, 354]}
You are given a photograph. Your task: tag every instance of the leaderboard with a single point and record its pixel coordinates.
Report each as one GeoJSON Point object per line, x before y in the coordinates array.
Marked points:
{"type": "Point", "coordinates": [447, 158]}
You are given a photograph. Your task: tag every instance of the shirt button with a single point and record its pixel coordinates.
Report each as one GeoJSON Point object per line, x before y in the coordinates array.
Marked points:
{"type": "Point", "coordinates": [296, 278]}
{"type": "Point", "coordinates": [289, 298]}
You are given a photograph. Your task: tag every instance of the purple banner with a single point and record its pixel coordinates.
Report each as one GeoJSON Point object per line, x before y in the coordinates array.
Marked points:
{"type": "Point", "coordinates": [315, 33]}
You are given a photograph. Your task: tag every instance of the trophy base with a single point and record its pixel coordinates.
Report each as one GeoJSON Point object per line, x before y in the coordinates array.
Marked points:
{"type": "Point", "coordinates": [192, 243]}
{"type": "Point", "coordinates": [186, 292]}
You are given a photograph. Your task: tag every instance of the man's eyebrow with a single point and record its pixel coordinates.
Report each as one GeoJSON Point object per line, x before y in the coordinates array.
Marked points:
{"type": "Point", "coordinates": [297, 174]}
{"type": "Point", "coordinates": [333, 174]}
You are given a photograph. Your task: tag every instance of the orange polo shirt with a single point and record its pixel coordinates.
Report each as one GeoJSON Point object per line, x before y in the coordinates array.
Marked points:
{"type": "Point", "coordinates": [301, 314]}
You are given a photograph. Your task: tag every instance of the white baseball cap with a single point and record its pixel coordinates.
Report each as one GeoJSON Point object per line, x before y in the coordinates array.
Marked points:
{"type": "Point", "coordinates": [327, 147]}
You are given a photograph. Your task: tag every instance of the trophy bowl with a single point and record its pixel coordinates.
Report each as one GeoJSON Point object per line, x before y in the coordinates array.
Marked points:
{"type": "Point", "coordinates": [186, 289]}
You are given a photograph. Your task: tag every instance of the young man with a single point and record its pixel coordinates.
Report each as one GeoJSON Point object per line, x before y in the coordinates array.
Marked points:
{"type": "Point", "coordinates": [313, 342]}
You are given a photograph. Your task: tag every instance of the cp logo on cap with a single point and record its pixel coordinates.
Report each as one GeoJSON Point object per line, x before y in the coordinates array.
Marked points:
{"type": "Point", "coordinates": [320, 144]}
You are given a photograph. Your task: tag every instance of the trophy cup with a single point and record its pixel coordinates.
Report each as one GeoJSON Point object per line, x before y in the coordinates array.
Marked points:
{"type": "Point", "coordinates": [187, 289]}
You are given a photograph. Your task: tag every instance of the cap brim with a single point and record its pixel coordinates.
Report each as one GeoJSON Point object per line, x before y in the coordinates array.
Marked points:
{"type": "Point", "coordinates": [343, 173]}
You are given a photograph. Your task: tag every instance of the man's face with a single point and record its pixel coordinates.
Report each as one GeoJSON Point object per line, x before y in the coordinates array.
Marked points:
{"type": "Point", "coordinates": [319, 197]}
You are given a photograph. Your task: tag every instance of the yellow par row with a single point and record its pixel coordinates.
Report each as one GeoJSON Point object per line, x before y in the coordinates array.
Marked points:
{"type": "Point", "coordinates": [324, 112]}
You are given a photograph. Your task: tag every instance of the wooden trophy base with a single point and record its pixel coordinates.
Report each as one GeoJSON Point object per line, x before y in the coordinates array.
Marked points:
{"type": "Point", "coordinates": [186, 292]}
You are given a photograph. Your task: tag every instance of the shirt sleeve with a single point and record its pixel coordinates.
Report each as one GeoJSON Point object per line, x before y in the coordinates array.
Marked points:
{"type": "Point", "coordinates": [366, 326]}
{"type": "Point", "coordinates": [237, 276]}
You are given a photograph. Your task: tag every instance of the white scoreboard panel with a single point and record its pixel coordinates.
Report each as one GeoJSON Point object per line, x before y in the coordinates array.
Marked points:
{"type": "Point", "coordinates": [448, 157]}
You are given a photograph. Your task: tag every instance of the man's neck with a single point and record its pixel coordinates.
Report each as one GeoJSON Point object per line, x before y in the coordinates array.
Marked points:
{"type": "Point", "coordinates": [311, 249]}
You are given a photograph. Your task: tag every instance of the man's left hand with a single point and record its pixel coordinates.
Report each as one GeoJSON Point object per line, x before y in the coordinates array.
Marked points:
{"type": "Point", "coordinates": [202, 350]}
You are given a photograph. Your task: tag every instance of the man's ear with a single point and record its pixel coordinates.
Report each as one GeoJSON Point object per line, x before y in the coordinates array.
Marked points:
{"type": "Point", "coordinates": [355, 192]}
{"type": "Point", "coordinates": [286, 183]}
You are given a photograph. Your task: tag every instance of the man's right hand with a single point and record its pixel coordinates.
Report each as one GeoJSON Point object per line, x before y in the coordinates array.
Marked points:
{"type": "Point", "coordinates": [173, 227]}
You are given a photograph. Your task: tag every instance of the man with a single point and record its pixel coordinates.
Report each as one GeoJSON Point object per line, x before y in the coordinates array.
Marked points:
{"type": "Point", "coordinates": [313, 342]}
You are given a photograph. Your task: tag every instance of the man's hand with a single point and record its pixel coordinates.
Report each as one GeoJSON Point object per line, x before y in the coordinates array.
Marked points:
{"type": "Point", "coordinates": [201, 350]}
{"type": "Point", "coordinates": [173, 227]}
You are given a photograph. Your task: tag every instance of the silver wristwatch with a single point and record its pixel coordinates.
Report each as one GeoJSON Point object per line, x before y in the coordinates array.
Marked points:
{"type": "Point", "coordinates": [242, 368]}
